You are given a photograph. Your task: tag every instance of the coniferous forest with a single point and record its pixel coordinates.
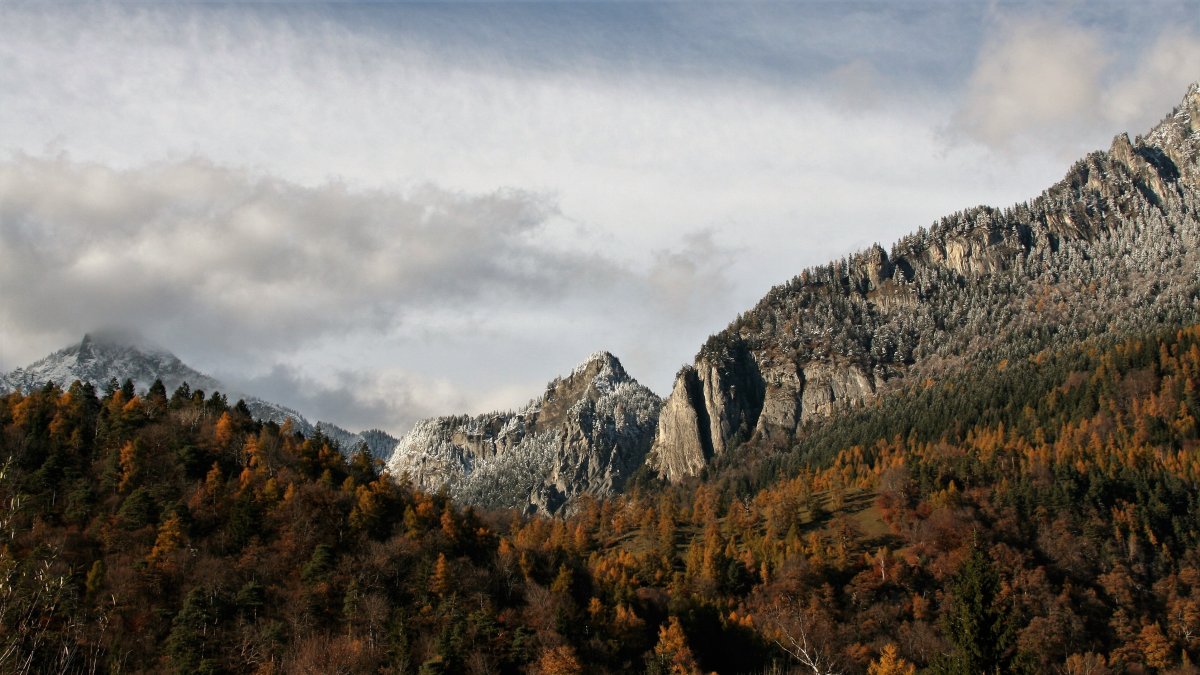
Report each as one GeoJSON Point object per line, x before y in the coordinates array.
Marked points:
{"type": "Point", "coordinates": [1042, 516]}
{"type": "Point", "coordinates": [974, 451]}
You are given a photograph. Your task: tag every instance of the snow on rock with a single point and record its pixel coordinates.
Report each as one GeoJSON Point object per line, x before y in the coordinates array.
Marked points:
{"type": "Point", "coordinates": [101, 358]}
{"type": "Point", "coordinates": [586, 435]}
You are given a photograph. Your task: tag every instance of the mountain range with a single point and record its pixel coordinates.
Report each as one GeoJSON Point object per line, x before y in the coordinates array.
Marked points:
{"type": "Point", "coordinates": [104, 357]}
{"type": "Point", "coordinates": [977, 451]}
{"type": "Point", "coordinates": [1112, 249]}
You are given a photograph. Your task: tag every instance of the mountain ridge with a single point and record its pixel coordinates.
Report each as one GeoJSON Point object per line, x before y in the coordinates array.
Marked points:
{"type": "Point", "coordinates": [1112, 246]}
{"type": "Point", "coordinates": [103, 356]}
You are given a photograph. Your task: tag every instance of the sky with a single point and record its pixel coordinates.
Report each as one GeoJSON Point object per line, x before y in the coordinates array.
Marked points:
{"type": "Point", "coordinates": [378, 212]}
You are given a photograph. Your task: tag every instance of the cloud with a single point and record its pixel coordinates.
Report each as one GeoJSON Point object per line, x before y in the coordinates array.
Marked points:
{"type": "Point", "coordinates": [1139, 98]}
{"type": "Point", "coordinates": [480, 195]}
{"type": "Point", "coordinates": [687, 279]}
{"type": "Point", "coordinates": [384, 398]}
{"type": "Point", "coordinates": [1033, 76]}
{"type": "Point", "coordinates": [1059, 82]}
{"type": "Point", "coordinates": [374, 307]}
{"type": "Point", "coordinates": [857, 85]}
{"type": "Point", "coordinates": [205, 255]}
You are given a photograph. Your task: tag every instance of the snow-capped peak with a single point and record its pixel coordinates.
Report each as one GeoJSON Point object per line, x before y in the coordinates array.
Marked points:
{"type": "Point", "coordinates": [103, 356]}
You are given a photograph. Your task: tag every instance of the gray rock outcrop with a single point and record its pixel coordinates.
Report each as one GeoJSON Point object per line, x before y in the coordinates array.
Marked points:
{"type": "Point", "coordinates": [587, 434]}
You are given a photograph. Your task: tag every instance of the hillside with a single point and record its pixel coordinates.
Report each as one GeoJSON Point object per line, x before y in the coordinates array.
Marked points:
{"type": "Point", "coordinates": [1110, 249]}
{"type": "Point", "coordinates": [1036, 517]}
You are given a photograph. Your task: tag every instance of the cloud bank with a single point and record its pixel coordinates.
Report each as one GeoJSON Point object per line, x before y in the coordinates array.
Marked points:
{"type": "Point", "coordinates": [234, 268]}
{"type": "Point", "coordinates": [1048, 80]}
{"type": "Point", "coordinates": [246, 262]}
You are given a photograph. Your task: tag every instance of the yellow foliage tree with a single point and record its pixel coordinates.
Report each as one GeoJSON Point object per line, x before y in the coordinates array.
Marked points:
{"type": "Point", "coordinates": [672, 650]}
{"type": "Point", "coordinates": [439, 581]}
{"type": "Point", "coordinates": [449, 527]}
{"type": "Point", "coordinates": [559, 660]}
{"type": "Point", "coordinates": [170, 537]}
{"type": "Point", "coordinates": [891, 663]}
{"type": "Point", "coordinates": [1155, 648]}
{"type": "Point", "coordinates": [130, 459]}
{"type": "Point", "coordinates": [224, 433]}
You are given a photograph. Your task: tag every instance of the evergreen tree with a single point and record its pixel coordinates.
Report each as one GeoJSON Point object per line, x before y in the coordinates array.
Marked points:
{"type": "Point", "coordinates": [190, 643]}
{"type": "Point", "coordinates": [975, 623]}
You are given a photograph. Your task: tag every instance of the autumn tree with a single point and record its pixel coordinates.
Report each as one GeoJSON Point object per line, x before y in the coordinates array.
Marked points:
{"type": "Point", "coordinates": [672, 655]}
{"type": "Point", "coordinates": [891, 663]}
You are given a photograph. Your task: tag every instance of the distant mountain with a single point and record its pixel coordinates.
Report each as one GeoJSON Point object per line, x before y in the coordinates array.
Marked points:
{"type": "Point", "coordinates": [1112, 249]}
{"type": "Point", "coordinates": [586, 435]}
{"type": "Point", "coordinates": [379, 443]}
{"type": "Point", "coordinates": [102, 357]}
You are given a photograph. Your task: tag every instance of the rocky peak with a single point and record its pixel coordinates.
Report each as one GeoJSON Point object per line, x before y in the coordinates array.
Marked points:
{"type": "Point", "coordinates": [1177, 139]}
{"type": "Point", "coordinates": [600, 371]}
{"type": "Point", "coordinates": [587, 433]}
{"type": "Point", "coordinates": [871, 268]}
{"type": "Point", "coordinates": [101, 357]}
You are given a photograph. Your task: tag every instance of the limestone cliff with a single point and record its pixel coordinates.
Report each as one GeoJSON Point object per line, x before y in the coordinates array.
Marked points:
{"type": "Point", "coordinates": [1114, 246]}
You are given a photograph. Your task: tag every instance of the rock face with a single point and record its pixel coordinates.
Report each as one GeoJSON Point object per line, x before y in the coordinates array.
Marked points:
{"type": "Point", "coordinates": [587, 434]}
{"type": "Point", "coordinates": [1113, 247]}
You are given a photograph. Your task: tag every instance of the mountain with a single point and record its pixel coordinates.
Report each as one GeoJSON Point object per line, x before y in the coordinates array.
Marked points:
{"type": "Point", "coordinates": [1112, 249]}
{"type": "Point", "coordinates": [379, 443]}
{"type": "Point", "coordinates": [586, 435]}
{"type": "Point", "coordinates": [102, 357]}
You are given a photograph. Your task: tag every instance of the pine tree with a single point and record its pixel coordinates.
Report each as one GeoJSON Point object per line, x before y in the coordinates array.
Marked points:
{"type": "Point", "coordinates": [975, 623]}
{"type": "Point", "coordinates": [191, 641]}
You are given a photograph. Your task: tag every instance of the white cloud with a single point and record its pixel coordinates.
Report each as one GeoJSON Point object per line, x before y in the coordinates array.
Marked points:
{"type": "Point", "coordinates": [1034, 76]}
{"type": "Point", "coordinates": [1048, 82]}
{"type": "Point", "coordinates": [385, 398]}
{"type": "Point", "coordinates": [857, 85]}
{"type": "Point", "coordinates": [1139, 98]}
{"type": "Point", "coordinates": [232, 270]}
{"type": "Point", "coordinates": [687, 279]}
{"type": "Point", "coordinates": [206, 255]}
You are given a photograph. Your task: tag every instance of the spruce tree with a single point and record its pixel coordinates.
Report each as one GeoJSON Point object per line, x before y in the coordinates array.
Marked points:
{"type": "Point", "coordinates": [975, 623]}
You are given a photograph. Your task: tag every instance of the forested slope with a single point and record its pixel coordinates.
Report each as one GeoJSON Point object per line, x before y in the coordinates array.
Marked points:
{"type": "Point", "coordinates": [1114, 247]}
{"type": "Point", "coordinates": [1038, 516]}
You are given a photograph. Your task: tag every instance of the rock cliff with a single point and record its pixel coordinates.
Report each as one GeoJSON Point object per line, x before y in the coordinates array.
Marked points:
{"type": "Point", "coordinates": [1114, 246]}
{"type": "Point", "coordinates": [587, 434]}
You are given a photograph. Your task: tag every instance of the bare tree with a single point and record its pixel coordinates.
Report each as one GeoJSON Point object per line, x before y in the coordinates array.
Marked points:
{"type": "Point", "coordinates": [799, 632]}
